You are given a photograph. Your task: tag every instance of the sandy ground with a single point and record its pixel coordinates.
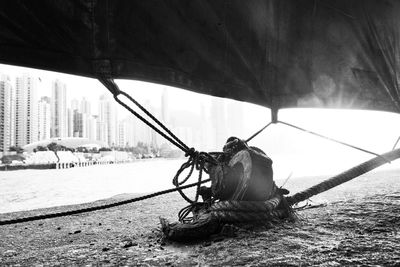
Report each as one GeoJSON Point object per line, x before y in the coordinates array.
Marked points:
{"type": "Point", "coordinates": [357, 229]}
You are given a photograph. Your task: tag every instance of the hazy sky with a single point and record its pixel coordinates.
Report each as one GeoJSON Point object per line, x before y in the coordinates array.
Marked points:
{"type": "Point", "coordinates": [292, 150]}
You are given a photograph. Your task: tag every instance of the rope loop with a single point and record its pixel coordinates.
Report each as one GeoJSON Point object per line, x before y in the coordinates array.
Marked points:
{"type": "Point", "coordinates": [197, 160]}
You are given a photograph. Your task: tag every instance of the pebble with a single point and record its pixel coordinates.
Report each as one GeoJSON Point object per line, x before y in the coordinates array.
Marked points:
{"type": "Point", "coordinates": [10, 253]}
{"type": "Point", "coordinates": [127, 244]}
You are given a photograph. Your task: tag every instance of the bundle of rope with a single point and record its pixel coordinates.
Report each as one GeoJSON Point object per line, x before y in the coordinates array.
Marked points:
{"type": "Point", "coordinates": [248, 211]}
{"type": "Point", "coordinates": [275, 208]}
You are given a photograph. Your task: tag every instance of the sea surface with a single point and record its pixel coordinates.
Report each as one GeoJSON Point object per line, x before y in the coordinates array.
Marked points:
{"type": "Point", "coordinates": [32, 189]}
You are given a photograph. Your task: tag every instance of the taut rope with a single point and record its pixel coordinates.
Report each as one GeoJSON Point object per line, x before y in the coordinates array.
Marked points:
{"type": "Point", "coordinates": [101, 207]}
{"type": "Point", "coordinates": [344, 177]}
{"type": "Point", "coordinates": [196, 159]}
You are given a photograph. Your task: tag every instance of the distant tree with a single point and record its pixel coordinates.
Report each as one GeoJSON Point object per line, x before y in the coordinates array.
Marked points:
{"type": "Point", "coordinates": [17, 149]}
{"type": "Point", "coordinates": [105, 149]}
{"type": "Point", "coordinates": [154, 150]}
{"type": "Point", "coordinates": [53, 147]}
{"type": "Point", "coordinates": [82, 149]}
{"type": "Point", "coordinates": [141, 145]}
{"type": "Point", "coordinates": [94, 150]}
{"type": "Point", "coordinates": [41, 148]}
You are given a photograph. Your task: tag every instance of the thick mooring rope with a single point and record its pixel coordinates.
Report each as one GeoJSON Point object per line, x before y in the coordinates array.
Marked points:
{"type": "Point", "coordinates": [344, 177]}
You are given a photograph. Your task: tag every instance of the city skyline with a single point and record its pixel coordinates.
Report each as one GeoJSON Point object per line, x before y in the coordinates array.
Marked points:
{"type": "Point", "coordinates": [189, 115]}
{"type": "Point", "coordinates": [58, 115]}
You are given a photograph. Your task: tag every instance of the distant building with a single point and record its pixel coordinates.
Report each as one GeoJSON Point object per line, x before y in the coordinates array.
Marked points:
{"type": "Point", "coordinates": [142, 132]}
{"type": "Point", "coordinates": [235, 119]}
{"type": "Point", "coordinates": [126, 136]}
{"type": "Point", "coordinates": [185, 134]}
{"type": "Point", "coordinates": [108, 116]}
{"type": "Point", "coordinates": [101, 131]}
{"type": "Point", "coordinates": [70, 122]}
{"type": "Point", "coordinates": [165, 106]}
{"type": "Point", "coordinates": [44, 118]}
{"type": "Point", "coordinates": [79, 124]}
{"type": "Point", "coordinates": [26, 123]}
{"type": "Point", "coordinates": [59, 115]}
{"type": "Point", "coordinates": [75, 104]}
{"type": "Point", "coordinates": [7, 113]}
{"type": "Point", "coordinates": [86, 110]}
{"type": "Point", "coordinates": [85, 106]}
{"type": "Point", "coordinates": [203, 129]}
{"type": "Point", "coordinates": [92, 127]}
{"type": "Point", "coordinates": [218, 119]}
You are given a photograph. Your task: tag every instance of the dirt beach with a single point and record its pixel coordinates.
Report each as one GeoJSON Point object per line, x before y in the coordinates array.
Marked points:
{"type": "Point", "coordinates": [359, 228]}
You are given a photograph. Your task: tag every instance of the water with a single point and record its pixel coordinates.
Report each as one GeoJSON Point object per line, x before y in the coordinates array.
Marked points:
{"type": "Point", "coordinates": [32, 189]}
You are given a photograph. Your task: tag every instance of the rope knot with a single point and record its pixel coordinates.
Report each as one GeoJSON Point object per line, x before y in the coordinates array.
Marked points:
{"type": "Point", "coordinates": [199, 161]}
{"type": "Point", "coordinates": [191, 152]}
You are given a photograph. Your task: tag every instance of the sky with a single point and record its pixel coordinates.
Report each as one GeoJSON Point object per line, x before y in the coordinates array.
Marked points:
{"type": "Point", "coordinates": [293, 151]}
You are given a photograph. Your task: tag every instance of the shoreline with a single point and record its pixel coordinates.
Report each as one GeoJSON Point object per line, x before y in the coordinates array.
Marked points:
{"type": "Point", "coordinates": [68, 165]}
{"type": "Point", "coordinates": [359, 231]}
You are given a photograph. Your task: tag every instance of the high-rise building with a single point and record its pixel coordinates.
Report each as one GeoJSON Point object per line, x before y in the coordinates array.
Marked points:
{"type": "Point", "coordinates": [85, 109]}
{"type": "Point", "coordinates": [7, 112]}
{"type": "Point", "coordinates": [92, 127]}
{"type": "Point", "coordinates": [155, 138]}
{"type": "Point", "coordinates": [70, 122]}
{"type": "Point", "coordinates": [85, 106]}
{"type": "Point", "coordinates": [75, 104]}
{"type": "Point", "coordinates": [218, 119]}
{"type": "Point", "coordinates": [235, 119]}
{"type": "Point", "coordinates": [59, 115]}
{"type": "Point", "coordinates": [108, 116]}
{"type": "Point", "coordinates": [44, 118]}
{"type": "Point", "coordinates": [142, 132]}
{"type": "Point", "coordinates": [26, 123]}
{"type": "Point", "coordinates": [126, 136]}
{"type": "Point", "coordinates": [101, 131]}
{"type": "Point", "coordinates": [79, 124]}
{"type": "Point", "coordinates": [165, 106]}
{"type": "Point", "coordinates": [203, 129]}
{"type": "Point", "coordinates": [81, 113]}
